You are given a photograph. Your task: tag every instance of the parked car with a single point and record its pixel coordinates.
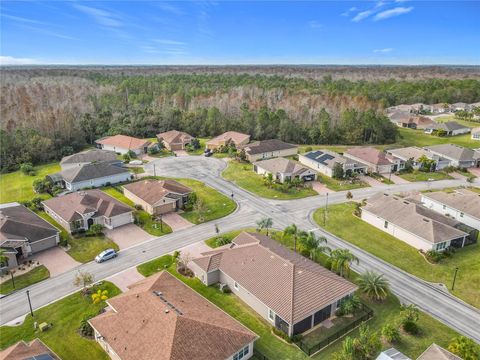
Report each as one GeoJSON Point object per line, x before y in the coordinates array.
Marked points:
{"type": "Point", "coordinates": [106, 255]}
{"type": "Point", "coordinates": [208, 153]}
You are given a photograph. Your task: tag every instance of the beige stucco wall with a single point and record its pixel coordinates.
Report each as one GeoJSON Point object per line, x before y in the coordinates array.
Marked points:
{"type": "Point", "coordinates": [272, 154]}
{"type": "Point", "coordinates": [451, 212]}
{"type": "Point", "coordinates": [325, 170]}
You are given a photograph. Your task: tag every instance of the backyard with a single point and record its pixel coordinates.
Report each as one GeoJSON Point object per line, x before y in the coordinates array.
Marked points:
{"type": "Point", "coordinates": [342, 223]}
{"type": "Point", "coordinates": [243, 175]}
{"type": "Point", "coordinates": [16, 186]}
{"type": "Point", "coordinates": [411, 137]}
{"type": "Point", "coordinates": [35, 275]}
{"type": "Point", "coordinates": [63, 337]}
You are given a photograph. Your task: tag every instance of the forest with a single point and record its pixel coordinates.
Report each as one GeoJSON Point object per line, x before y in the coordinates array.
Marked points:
{"type": "Point", "coordinates": [48, 113]}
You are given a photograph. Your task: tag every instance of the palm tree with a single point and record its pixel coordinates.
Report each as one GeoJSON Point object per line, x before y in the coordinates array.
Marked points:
{"type": "Point", "coordinates": [268, 180]}
{"type": "Point", "coordinates": [313, 245]}
{"type": "Point", "coordinates": [100, 295]}
{"type": "Point", "coordinates": [409, 313]}
{"type": "Point", "coordinates": [374, 285]}
{"type": "Point", "coordinates": [341, 261]}
{"type": "Point", "coordinates": [265, 223]}
{"type": "Point", "coordinates": [295, 232]}
{"type": "Point", "coordinates": [3, 258]}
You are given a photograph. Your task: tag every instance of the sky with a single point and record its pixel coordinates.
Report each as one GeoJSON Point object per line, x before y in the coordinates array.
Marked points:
{"type": "Point", "coordinates": [240, 32]}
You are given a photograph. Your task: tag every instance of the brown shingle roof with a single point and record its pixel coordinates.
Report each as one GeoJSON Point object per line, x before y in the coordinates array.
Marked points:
{"type": "Point", "coordinates": [370, 155]}
{"type": "Point", "coordinates": [463, 200]}
{"type": "Point", "coordinates": [70, 206]}
{"type": "Point", "coordinates": [435, 352]}
{"type": "Point", "coordinates": [282, 165]}
{"type": "Point", "coordinates": [288, 283]}
{"type": "Point", "coordinates": [24, 351]}
{"type": "Point", "coordinates": [177, 325]}
{"type": "Point", "coordinates": [235, 137]}
{"type": "Point", "coordinates": [174, 137]}
{"type": "Point", "coordinates": [259, 147]}
{"type": "Point", "coordinates": [123, 141]}
{"type": "Point", "coordinates": [152, 191]}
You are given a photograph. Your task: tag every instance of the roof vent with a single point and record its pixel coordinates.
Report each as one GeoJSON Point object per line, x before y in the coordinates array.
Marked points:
{"type": "Point", "coordinates": [167, 311]}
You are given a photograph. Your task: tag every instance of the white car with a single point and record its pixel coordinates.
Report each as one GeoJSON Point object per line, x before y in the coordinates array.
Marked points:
{"type": "Point", "coordinates": [106, 255]}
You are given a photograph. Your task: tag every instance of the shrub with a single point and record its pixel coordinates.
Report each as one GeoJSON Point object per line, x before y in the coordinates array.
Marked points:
{"type": "Point", "coordinates": [95, 230]}
{"type": "Point", "coordinates": [281, 334]}
{"type": "Point", "coordinates": [36, 203]}
{"type": "Point", "coordinates": [390, 333]}
{"type": "Point", "coordinates": [63, 240]}
{"type": "Point", "coordinates": [350, 306]}
{"type": "Point", "coordinates": [226, 289]}
{"type": "Point", "coordinates": [297, 338]}
{"type": "Point", "coordinates": [434, 256]}
{"type": "Point", "coordinates": [27, 169]}
{"type": "Point", "coordinates": [138, 207]}
{"type": "Point", "coordinates": [41, 186]}
{"type": "Point", "coordinates": [153, 150]}
{"type": "Point", "coordinates": [308, 149]}
{"type": "Point", "coordinates": [85, 329]}
{"type": "Point", "coordinates": [221, 240]}
{"type": "Point", "coordinates": [410, 327]}
{"type": "Point", "coordinates": [191, 201]}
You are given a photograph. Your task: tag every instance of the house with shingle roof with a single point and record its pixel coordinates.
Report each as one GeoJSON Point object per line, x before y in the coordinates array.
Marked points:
{"type": "Point", "coordinates": [458, 156]}
{"type": "Point", "coordinates": [158, 196]}
{"type": "Point", "coordinates": [476, 133]}
{"type": "Point", "coordinates": [435, 352]}
{"type": "Point", "coordinates": [230, 137]}
{"type": "Point", "coordinates": [122, 144]}
{"type": "Point", "coordinates": [375, 160]}
{"type": "Point", "coordinates": [24, 233]}
{"type": "Point", "coordinates": [414, 153]}
{"type": "Point", "coordinates": [267, 149]}
{"type": "Point", "coordinates": [451, 128]}
{"type": "Point", "coordinates": [161, 318]}
{"type": "Point", "coordinates": [408, 120]}
{"type": "Point", "coordinates": [462, 205]}
{"type": "Point", "coordinates": [174, 139]}
{"type": "Point", "coordinates": [87, 157]}
{"type": "Point", "coordinates": [284, 170]}
{"type": "Point", "coordinates": [80, 210]}
{"type": "Point", "coordinates": [290, 291]}
{"type": "Point", "coordinates": [324, 161]}
{"type": "Point", "coordinates": [35, 350]}
{"type": "Point", "coordinates": [413, 223]}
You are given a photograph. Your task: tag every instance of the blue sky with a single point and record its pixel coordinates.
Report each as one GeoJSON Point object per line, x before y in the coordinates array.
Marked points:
{"type": "Point", "coordinates": [248, 32]}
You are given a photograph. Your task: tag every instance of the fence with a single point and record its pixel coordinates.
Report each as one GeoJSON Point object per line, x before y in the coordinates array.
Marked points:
{"type": "Point", "coordinates": [334, 337]}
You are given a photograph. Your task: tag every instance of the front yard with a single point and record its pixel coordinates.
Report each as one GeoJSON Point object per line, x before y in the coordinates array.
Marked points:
{"type": "Point", "coordinates": [84, 248]}
{"type": "Point", "coordinates": [35, 275]}
{"type": "Point", "coordinates": [243, 175]}
{"type": "Point", "coordinates": [342, 223]}
{"type": "Point", "coordinates": [63, 337]}
{"type": "Point", "coordinates": [417, 175]}
{"type": "Point", "coordinates": [341, 185]}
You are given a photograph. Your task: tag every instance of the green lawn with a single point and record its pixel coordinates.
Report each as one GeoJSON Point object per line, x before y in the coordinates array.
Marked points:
{"type": "Point", "coordinates": [243, 175]}
{"type": "Point", "coordinates": [340, 185]}
{"type": "Point", "coordinates": [342, 223]}
{"type": "Point", "coordinates": [16, 186]}
{"type": "Point", "coordinates": [470, 124]}
{"type": "Point", "coordinates": [410, 137]}
{"type": "Point", "coordinates": [201, 149]}
{"type": "Point", "coordinates": [156, 265]}
{"type": "Point", "coordinates": [63, 337]}
{"type": "Point", "coordinates": [35, 275]}
{"type": "Point", "coordinates": [212, 242]}
{"type": "Point", "coordinates": [85, 248]}
{"type": "Point", "coordinates": [417, 175]}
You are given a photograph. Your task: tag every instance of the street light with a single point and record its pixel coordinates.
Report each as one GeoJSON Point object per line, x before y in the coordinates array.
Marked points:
{"type": "Point", "coordinates": [29, 302]}
{"type": "Point", "coordinates": [454, 278]}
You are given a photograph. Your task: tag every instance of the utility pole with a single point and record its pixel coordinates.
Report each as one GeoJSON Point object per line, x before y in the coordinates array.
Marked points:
{"type": "Point", "coordinates": [154, 170]}
{"type": "Point", "coordinates": [161, 222]}
{"type": "Point", "coordinates": [454, 278]}
{"type": "Point", "coordinates": [29, 302]}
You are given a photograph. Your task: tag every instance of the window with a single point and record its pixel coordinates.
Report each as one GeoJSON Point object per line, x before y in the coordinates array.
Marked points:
{"type": "Point", "coordinates": [235, 285]}
{"type": "Point", "coordinates": [461, 214]}
{"type": "Point", "coordinates": [441, 246]}
{"type": "Point", "coordinates": [242, 353]}
{"type": "Point", "coordinates": [385, 225]}
{"type": "Point", "coordinates": [271, 314]}
{"type": "Point", "coordinates": [444, 207]}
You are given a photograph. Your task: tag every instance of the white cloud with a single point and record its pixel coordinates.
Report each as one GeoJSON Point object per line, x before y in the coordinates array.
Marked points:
{"type": "Point", "coordinates": [362, 15]}
{"type": "Point", "coordinates": [383, 51]}
{"type": "Point", "coordinates": [349, 11]}
{"type": "Point", "coordinates": [169, 8]}
{"type": "Point", "coordinates": [102, 17]}
{"type": "Point", "coordinates": [168, 42]}
{"type": "Point", "coordinates": [10, 60]}
{"type": "Point", "coordinates": [392, 12]}
{"type": "Point", "coordinates": [22, 19]}
{"type": "Point", "coordinates": [314, 24]}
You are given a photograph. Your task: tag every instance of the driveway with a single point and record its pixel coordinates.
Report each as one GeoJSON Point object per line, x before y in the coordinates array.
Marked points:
{"type": "Point", "coordinates": [371, 181]}
{"type": "Point", "coordinates": [398, 180]}
{"type": "Point", "coordinates": [181, 153]}
{"type": "Point", "coordinates": [195, 250]}
{"type": "Point", "coordinates": [56, 260]}
{"type": "Point", "coordinates": [321, 188]}
{"type": "Point", "coordinates": [475, 171]}
{"type": "Point", "coordinates": [175, 221]}
{"type": "Point", "coordinates": [128, 235]}
{"type": "Point", "coordinates": [457, 175]}
{"type": "Point", "coordinates": [126, 278]}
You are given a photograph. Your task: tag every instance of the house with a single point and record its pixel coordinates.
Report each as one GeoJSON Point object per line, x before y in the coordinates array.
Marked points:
{"type": "Point", "coordinates": [456, 154]}
{"type": "Point", "coordinates": [284, 170]}
{"type": "Point", "coordinates": [122, 144]}
{"type": "Point", "coordinates": [392, 354]}
{"type": "Point", "coordinates": [157, 196]}
{"type": "Point", "coordinates": [267, 149]}
{"type": "Point", "coordinates": [174, 140]}
{"type": "Point", "coordinates": [90, 175]}
{"type": "Point", "coordinates": [80, 210]}
{"type": "Point", "coordinates": [88, 157]}
{"type": "Point", "coordinates": [161, 318]}
{"type": "Point", "coordinates": [409, 120]}
{"type": "Point", "coordinates": [476, 133]}
{"type": "Point", "coordinates": [413, 223]}
{"type": "Point", "coordinates": [459, 106]}
{"type": "Point", "coordinates": [290, 291]}
{"type": "Point", "coordinates": [451, 128]}
{"type": "Point", "coordinates": [35, 350]}
{"type": "Point", "coordinates": [230, 137]}
{"type": "Point", "coordinates": [414, 153]}
{"type": "Point", "coordinates": [375, 160]}
{"type": "Point", "coordinates": [435, 352]}
{"type": "Point", "coordinates": [462, 205]}
{"type": "Point", "coordinates": [24, 233]}
{"type": "Point", "coordinates": [324, 162]}
{"type": "Point", "coordinates": [440, 108]}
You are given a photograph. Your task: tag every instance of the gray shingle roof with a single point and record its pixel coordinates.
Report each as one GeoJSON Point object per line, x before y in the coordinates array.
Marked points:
{"type": "Point", "coordinates": [259, 147]}
{"type": "Point", "coordinates": [463, 200]}
{"type": "Point", "coordinates": [90, 171]}
{"type": "Point", "coordinates": [456, 152]}
{"type": "Point", "coordinates": [448, 126]}
{"type": "Point", "coordinates": [282, 165]}
{"type": "Point", "coordinates": [88, 156]}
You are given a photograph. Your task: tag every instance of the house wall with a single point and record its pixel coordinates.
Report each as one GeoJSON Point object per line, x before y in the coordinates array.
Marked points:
{"type": "Point", "coordinates": [121, 150]}
{"type": "Point", "coordinates": [12, 260]}
{"type": "Point", "coordinates": [325, 170]}
{"type": "Point", "coordinates": [451, 212]}
{"type": "Point", "coordinates": [119, 220]}
{"type": "Point", "coordinates": [118, 178]}
{"type": "Point", "coordinates": [245, 357]}
{"type": "Point", "coordinates": [45, 243]}
{"type": "Point", "coordinates": [200, 274]}
{"type": "Point", "coordinates": [407, 237]}
{"type": "Point", "coordinates": [63, 223]}
{"type": "Point", "coordinates": [272, 154]}
{"type": "Point", "coordinates": [461, 131]}
{"type": "Point", "coordinates": [105, 346]}
{"type": "Point", "coordinates": [476, 136]}
{"type": "Point", "coordinates": [380, 169]}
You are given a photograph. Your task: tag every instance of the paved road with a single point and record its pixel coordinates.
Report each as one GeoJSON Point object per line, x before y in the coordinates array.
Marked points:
{"type": "Point", "coordinates": [448, 309]}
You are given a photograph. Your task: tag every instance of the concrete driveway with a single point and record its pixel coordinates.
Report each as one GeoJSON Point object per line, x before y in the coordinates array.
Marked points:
{"type": "Point", "coordinates": [475, 171]}
{"type": "Point", "coordinates": [128, 235]}
{"type": "Point", "coordinates": [56, 260]}
{"type": "Point", "coordinates": [126, 278]}
{"type": "Point", "coordinates": [321, 188]}
{"type": "Point", "coordinates": [398, 180]}
{"type": "Point", "coordinates": [371, 181]}
{"type": "Point", "coordinates": [175, 221]}
{"type": "Point", "coordinates": [181, 153]}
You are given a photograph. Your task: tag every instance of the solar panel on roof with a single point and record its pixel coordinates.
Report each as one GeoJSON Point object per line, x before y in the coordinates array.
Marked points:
{"type": "Point", "coordinates": [325, 158]}
{"type": "Point", "coordinates": [41, 357]}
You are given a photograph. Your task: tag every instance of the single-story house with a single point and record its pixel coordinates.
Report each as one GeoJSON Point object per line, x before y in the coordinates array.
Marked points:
{"type": "Point", "coordinates": [459, 106]}
{"type": "Point", "coordinates": [435, 352]}
{"type": "Point", "coordinates": [35, 350]}
{"type": "Point", "coordinates": [284, 170]}
{"type": "Point", "coordinates": [267, 149]}
{"type": "Point", "coordinates": [458, 156]}
{"type": "Point", "coordinates": [157, 196]}
{"type": "Point", "coordinates": [24, 233]}
{"type": "Point", "coordinates": [413, 223]}
{"type": "Point", "coordinates": [288, 290]}
{"type": "Point", "coordinates": [408, 120]}
{"type": "Point", "coordinates": [80, 210]}
{"type": "Point", "coordinates": [88, 157]}
{"type": "Point", "coordinates": [401, 107]}
{"type": "Point", "coordinates": [91, 175]}
{"type": "Point", "coordinates": [229, 137]}
{"type": "Point", "coordinates": [174, 140]}
{"type": "Point", "coordinates": [375, 160]}
{"type": "Point", "coordinates": [324, 161]}
{"type": "Point", "coordinates": [476, 133]}
{"type": "Point", "coordinates": [451, 128]}
{"type": "Point", "coordinates": [440, 108]}
{"type": "Point", "coordinates": [122, 144]}
{"type": "Point", "coordinates": [161, 318]}
{"type": "Point", "coordinates": [462, 205]}
{"type": "Point", "coordinates": [414, 153]}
